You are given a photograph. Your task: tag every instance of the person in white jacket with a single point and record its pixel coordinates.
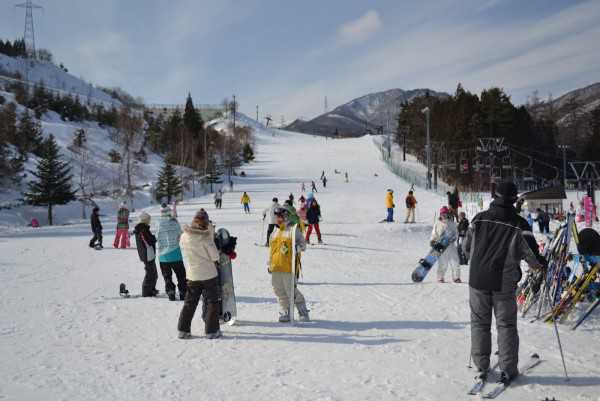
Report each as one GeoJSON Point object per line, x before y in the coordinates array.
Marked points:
{"type": "Point", "coordinates": [200, 256]}
{"type": "Point", "coordinates": [270, 213]}
{"type": "Point", "coordinates": [445, 227]}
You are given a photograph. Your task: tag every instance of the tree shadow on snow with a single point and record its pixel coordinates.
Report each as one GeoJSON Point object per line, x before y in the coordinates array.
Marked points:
{"type": "Point", "coordinates": [319, 338]}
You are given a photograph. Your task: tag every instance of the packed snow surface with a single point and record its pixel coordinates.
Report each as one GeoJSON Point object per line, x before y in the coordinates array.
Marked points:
{"type": "Point", "coordinates": [65, 334]}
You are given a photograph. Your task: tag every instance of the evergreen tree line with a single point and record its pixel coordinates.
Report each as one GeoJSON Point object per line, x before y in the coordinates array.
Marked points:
{"type": "Point", "coordinates": [459, 120]}
{"type": "Point", "coordinates": [13, 49]}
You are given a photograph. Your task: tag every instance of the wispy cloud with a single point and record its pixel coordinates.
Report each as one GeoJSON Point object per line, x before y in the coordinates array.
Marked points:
{"type": "Point", "coordinates": [359, 30]}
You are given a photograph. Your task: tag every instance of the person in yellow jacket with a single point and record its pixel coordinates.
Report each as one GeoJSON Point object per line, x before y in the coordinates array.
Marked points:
{"type": "Point", "coordinates": [389, 204]}
{"type": "Point", "coordinates": [246, 202]}
{"type": "Point", "coordinates": [280, 266]}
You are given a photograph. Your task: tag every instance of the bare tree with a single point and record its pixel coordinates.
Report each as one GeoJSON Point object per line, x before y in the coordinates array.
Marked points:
{"type": "Point", "coordinates": [130, 130]}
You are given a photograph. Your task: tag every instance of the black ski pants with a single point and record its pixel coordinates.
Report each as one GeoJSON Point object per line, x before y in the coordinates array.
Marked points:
{"type": "Point", "coordinates": [150, 278]}
{"type": "Point", "coordinates": [167, 269]}
{"type": "Point", "coordinates": [96, 238]}
{"type": "Point", "coordinates": [195, 290]}
{"type": "Point", "coordinates": [270, 231]}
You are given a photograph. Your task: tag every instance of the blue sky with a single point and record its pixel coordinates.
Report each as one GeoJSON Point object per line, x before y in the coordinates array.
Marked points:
{"type": "Point", "coordinates": [287, 56]}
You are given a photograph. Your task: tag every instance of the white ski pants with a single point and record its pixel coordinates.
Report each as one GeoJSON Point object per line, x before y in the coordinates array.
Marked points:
{"type": "Point", "coordinates": [449, 259]}
{"type": "Point", "coordinates": [282, 285]}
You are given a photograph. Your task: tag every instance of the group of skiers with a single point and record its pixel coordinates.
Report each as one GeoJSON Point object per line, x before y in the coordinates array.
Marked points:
{"type": "Point", "coordinates": [411, 206]}
{"type": "Point", "coordinates": [307, 216]}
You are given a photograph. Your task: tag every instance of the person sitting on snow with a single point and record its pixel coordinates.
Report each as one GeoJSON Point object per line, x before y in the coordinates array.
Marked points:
{"type": "Point", "coordinates": [280, 266]}
{"type": "Point", "coordinates": [445, 229]}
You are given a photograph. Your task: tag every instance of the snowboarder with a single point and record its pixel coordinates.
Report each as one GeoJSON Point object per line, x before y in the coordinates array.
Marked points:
{"type": "Point", "coordinates": [219, 199]}
{"type": "Point", "coordinates": [303, 188]}
{"type": "Point", "coordinates": [270, 213]}
{"type": "Point", "coordinates": [122, 235]}
{"type": "Point", "coordinates": [280, 266]}
{"type": "Point", "coordinates": [313, 215]}
{"type": "Point", "coordinates": [246, 202]}
{"type": "Point", "coordinates": [324, 182]}
{"type": "Point", "coordinates": [200, 256]}
{"type": "Point", "coordinates": [96, 241]}
{"type": "Point", "coordinates": [497, 241]}
{"type": "Point", "coordinates": [446, 227]}
{"type": "Point", "coordinates": [346, 177]}
{"type": "Point", "coordinates": [322, 175]}
{"type": "Point", "coordinates": [411, 206]}
{"type": "Point", "coordinates": [146, 247]}
{"type": "Point", "coordinates": [170, 257]}
{"type": "Point", "coordinates": [463, 226]}
{"type": "Point", "coordinates": [389, 204]}
{"type": "Point", "coordinates": [313, 186]}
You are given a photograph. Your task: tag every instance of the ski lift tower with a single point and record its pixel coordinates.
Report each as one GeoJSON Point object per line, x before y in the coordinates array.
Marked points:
{"type": "Point", "coordinates": [29, 31]}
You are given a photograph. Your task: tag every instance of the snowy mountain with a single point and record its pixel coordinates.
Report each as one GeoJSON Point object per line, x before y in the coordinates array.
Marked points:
{"type": "Point", "coordinates": [579, 101]}
{"type": "Point", "coordinates": [365, 112]}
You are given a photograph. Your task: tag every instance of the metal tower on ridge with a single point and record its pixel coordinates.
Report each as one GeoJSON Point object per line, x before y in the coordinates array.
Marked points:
{"type": "Point", "coordinates": [29, 33]}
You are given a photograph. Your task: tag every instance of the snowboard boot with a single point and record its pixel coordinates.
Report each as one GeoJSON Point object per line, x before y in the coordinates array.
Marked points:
{"type": "Point", "coordinates": [457, 280]}
{"type": "Point", "coordinates": [284, 317]}
{"type": "Point", "coordinates": [123, 291]}
{"type": "Point", "coordinates": [184, 335]}
{"type": "Point", "coordinates": [215, 335]}
{"type": "Point", "coordinates": [171, 295]}
{"type": "Point", "coordinates": [441, 280]}
{"type": "Point", "coordinates": [154, 292]}
{"type": "Point", "coordinates": [303, 313]}
{"type": "Point", "coordinates": [182, 296]}
{"type": "Point", "coordinates": [505, 378]}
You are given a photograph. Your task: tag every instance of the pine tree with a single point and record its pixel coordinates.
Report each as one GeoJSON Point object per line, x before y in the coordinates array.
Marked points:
{"type": "Point", "coordinates": [29, 135]}
{"type": "Point", "coordinates": [53, 184]}
{"type": "Point", "coordinates": [168, 185]}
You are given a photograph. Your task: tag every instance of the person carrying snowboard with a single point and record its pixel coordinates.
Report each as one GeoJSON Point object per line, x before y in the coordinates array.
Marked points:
{"type": "Point", "coordinates": [463, 227]}
{"type": "Point", "coordinates": [246, 202]}
{"type": "Point", "coordinates": [280, 266]}
{"type": "Point", "coordinates": [122, 235]}
{"type": "Point", "coordinates": [170, 257]}
{"type": "Point", "coordinates": [411, 206]}
{"type": "Point", "coordinates": [145, 242]}
{"type": "Point", "coordinates": [96, 241]}
{"type": "Point", "coordinates": [497, 241]}
{"type": "Point", "coordinates": [389, 204]}
{"type": "Point", "coordinates": [200, 257]}
{"type": "Point", "coordinates": [270, 213]}
{"type": "Point", "coordinates": [313, 215]}
{"type": "Point", "coordinates": [445, 228]}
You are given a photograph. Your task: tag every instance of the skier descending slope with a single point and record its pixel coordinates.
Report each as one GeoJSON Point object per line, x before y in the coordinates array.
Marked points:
{"type": "Point", "coordinates": [497, 241]}
{"type": "Point", "coordinates": [170, 257]}
{"type": "Point", "coordinates": [280, 266]}
{"type": "Point", "coordinates": [146, 247]}
{"type": "Point", "coordinates": [446, 227]}
{"type": "Point", "coordinates": [200, 255]}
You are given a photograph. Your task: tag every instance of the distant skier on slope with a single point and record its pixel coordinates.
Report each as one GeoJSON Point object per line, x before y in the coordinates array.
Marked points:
{"type": "Point", "coordinates": [411, 207]}
{"type": "Point", "coordinates": [272, 220]}
{"type": "Point", "coordinates": [146, 246]}
{"type": "Point", "coordinates": [463, 227]}
{"type": "Point", "coordinates": [497, 241]}
{"type": "Point", "coordinates": [96, 241]}
{"type": "Point", "coordinates": [324, 180]}
{"type": "Point", "coordinates": [200, 255]}
{"type": "Point", "coordinates": [281, 263]}
{"type": "Point", "coordinates": [218, 199]}
{"type": "Point", "coordinates": [170, 257]}
{"type": "Point", "coordinates": [346, 179]}
{"type": "Point", "coordinates": [389, 204]}
{"type": "Point", "coordinates": [303, 188]}
{"type": "Point", "coordinates": [313, 215]}
{"type": "Point", "coordinates": [446, 227]}
{"type": "Point", "coordinates": [122, 235]}
{"type": "Point", "coordinates": [313, 186]}
{"type": "Point", "coordinates": [245, 201]}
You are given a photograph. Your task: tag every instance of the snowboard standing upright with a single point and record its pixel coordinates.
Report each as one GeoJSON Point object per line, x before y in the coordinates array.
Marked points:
{"type": "Point", "coordinates": [293, 288]}
{"type": "Point", "coordinates": [228, 310]}
{"type": "Point", "coordinates": [430, 260]}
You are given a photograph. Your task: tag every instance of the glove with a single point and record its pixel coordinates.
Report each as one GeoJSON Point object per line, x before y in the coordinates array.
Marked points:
{"type": "Point", "coordinates": [437, 246]}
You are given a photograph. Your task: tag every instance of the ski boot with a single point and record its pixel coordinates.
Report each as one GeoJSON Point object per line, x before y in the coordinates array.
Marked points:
{"type": "Point", "coordinates": [303, 313]}
{"type": "Point", "coordinates": [184, 335]}
{"type": "Point", "coordinates": [182, 296]}
{"type": "Point", "coordinates": [284, 317]}
{"type": "Point", "coordinates": [171, 295]}
{"type": "Point", "coordinates": [215, 335]}
{"type": "Point", "coordinates": [123, 291]}
{"type": "Point", "coordinates": [457, 281]}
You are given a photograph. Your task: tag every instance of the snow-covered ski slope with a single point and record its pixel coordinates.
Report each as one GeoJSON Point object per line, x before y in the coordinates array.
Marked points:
{"type": "Point", "coordinates": [66, 335]}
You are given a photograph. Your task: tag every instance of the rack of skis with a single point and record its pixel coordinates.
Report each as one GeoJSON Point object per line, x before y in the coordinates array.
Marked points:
{"type": "Point", "coordinates": [569, 290]}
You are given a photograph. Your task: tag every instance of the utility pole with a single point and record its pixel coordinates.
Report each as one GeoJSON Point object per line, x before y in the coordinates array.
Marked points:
{"type": "Point", "coordinates": [233, 112]}
{"type": "Point", "coordinates": [564, 149]}
{"type": "Point", "coordinates": [256, 113]}
{"type": "Point", "coordinates": [29, 32]}
{"type": "Point", "coordinates": [427, 113]}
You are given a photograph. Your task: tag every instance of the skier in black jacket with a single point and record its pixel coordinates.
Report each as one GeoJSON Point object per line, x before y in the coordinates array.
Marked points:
{"type": "Point", "coordinates": [146, 247]}
{"type": "Point", "coordinates": [497, 241]}
{"type": "Point", "coordinates": [96, 240]}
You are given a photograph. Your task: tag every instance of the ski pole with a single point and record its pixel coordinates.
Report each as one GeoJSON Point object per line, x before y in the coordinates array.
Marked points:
{"type": "Point", "coordinates": [562, 356]}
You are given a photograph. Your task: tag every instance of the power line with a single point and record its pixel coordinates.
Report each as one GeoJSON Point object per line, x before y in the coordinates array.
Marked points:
{"type": "Point", "coordinates": [29, 31]}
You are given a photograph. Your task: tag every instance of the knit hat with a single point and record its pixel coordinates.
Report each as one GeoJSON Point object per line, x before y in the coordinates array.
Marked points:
{"type": "Point", "coordinates": [165, 210]}
{"type": "Point", "coordinates": [507, 190]}
{"type": "Point", "coordinates": [444, 211]}
{"type": "Point", "coordinates": [145, 218]}
{"type": "Point", "coordinates": [201, 219]}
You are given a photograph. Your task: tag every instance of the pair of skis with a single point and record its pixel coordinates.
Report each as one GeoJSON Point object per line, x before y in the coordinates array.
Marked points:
{"type": "Point", "coordinates": [500, 387]}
